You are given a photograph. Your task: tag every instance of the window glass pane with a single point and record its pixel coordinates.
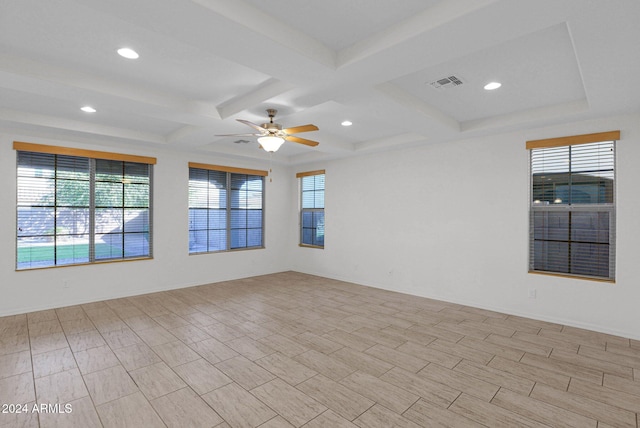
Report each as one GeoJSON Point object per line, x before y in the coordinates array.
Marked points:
{"type": "Point", "coordinates": [109, 246]}
{"type": "Point", "coordinates": [35, 222]}
{"type": "Point", "coordinates": [198, 219]}
{"type": "Point", "coordinates": [238, 219]}
{"type": "Point", "coordinates": [136, 244]}
{"type": "Point", "coordinates": [552, 256]}
{"type": "Point", "coordinates": [198, 241]}
{"type": "Point", "coordinates": [34, 253]}
{"type": "Point", "coordinates": [238, 238]}
{"type": "Point", "coordinates": [217, 197]}
{"type": "Point", "coordinates": [308, 183]}
{"type": "Point", "coordinates": [136, 195]}
{"type": "Point", "coordinates": [72, 168]}
{"type": "Point", "coordinates": [198, 194]}
{"type": "Point", "coordinates": [318, 219]}
{"type": "Point", "coordinates": [254, 183]}
{"type": "Point", "coordinates": [109, 220]}
{"type": "Point", "coordinates": [109, 170]}
{"type": "Point", "coordinates": [238, 181]}
{"type": "Point", "coordinates": [218, 180]}
{"type": "Point", "coordinates": [319, 199]}
{"type": "Point", "coordinates": [136, 220]}
{"type": "Point", "coordinates": [198, 174]}
{"type": "Point", "coordinates": [108, 194]}
{"type": "Point", "coordinates": [72, 249]}
{"type": "Point", "coordinates": [254, 237]}
{"type": "Point", "coordinates": [308, 199]}
{"type": "Point", "coordinates": [217, 240]}
{"type": "Point", "coordinates": [307, 236]}
{"type": "Point", "coordinates": [136, 173]}
{"type": "Point", "coordinates": [72, 221]}
{"type": "Point", "coordinates": [238, 199]}
{"type": "Point", "coordinates": [38, 165]}
{"type": "Point", "coordinates": [590, 259]}
{"type": "Point", "coordinates": [307, 219]}
{"type": "Point", "coordinates": [254, 200]}
{"type": "Point", "coordinates": [217, 219]}
{"type": "Point", "coordinates": [72, 193]}
{"type": "Point", "coordinates": [36, 191]}
{"type": "Point", "coordinates": [550, 169]}
{"type": "Point", "coordinates": [254, 218]}
{"type": "Point", "coordinates": [590, 227]}
{"type": "Point", "coordinates": [551, 225]}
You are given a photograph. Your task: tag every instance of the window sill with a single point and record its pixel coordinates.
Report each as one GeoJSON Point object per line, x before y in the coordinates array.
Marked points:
{"type": "Point", "coordinates": [233, 250]}
{"type": "Point", "coordinates": [98, 262]}
{"type": "Point", "coordinates": [311, 246]}
{"type": "Point", "coordinates": [565, 275]}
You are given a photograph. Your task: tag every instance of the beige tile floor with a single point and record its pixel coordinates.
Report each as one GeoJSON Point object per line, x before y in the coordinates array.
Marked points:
{"type": "Point", "coordinates": [297, 350]}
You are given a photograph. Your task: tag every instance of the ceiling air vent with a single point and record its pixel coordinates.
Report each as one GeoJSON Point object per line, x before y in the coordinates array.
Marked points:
{"type": "Point", "coordinates": [447, 82]}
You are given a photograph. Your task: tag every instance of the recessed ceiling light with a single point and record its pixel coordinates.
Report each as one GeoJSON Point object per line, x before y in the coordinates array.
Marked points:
{"type": "Point", "coordinates": [88, 109]}
{"type": "Point", "coordinates": [491, 86]}
{"type": "Point", "coordinates": [346, 123]}
{"type": "Point", "coordinates": [128, 53]}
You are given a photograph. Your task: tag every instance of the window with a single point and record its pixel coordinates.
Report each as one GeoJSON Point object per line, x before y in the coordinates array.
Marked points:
{"type": "Point", "coordinates": [80, 206]}
{"type": "Point", "coordinates": [226, 208]}
{"type": "Point", "coordinates": [572, 205]}
{"type": "Point", "coordinates": [312, 208]}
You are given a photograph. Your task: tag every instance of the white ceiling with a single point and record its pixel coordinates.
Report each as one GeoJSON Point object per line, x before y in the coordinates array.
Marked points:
{"type": "Point", "coordinates": [205, 63]}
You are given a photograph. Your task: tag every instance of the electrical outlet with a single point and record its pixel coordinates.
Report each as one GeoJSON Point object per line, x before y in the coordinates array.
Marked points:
{"type": "Point", "coordinates": [532, 293]}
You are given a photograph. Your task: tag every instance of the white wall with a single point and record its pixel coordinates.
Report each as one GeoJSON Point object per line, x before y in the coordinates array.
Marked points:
{"type": "Point", "coordinates": [171, 267]}
{"type": "Point", "coordinates": [443, 220]}
{"type": "Point", "coordinates": [450, 221]}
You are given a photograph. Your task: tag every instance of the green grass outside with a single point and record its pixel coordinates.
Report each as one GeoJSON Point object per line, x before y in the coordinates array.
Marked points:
{"type": "Point", "coordinates": [43, 253]}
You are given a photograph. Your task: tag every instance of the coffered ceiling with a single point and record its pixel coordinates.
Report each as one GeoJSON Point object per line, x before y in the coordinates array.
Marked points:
{"type": "Point", "coordinates": [205, 63]}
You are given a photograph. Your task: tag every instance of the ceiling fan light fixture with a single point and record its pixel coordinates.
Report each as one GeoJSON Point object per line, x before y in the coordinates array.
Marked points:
{"type": "Point", "coordinates": [270, 143]}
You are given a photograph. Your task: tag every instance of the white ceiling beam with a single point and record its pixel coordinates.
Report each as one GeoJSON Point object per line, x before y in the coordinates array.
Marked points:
{"type": "Point", "coordinates": [36, 77]}
{"type": "Point", "coordinates": [389, 142]}
{"type": "Point", "coordinates": [265, 91]}
{"type": "Point", "coordinates": [411, 102]}
{"type": "Point", "coordinates": [546, 113]}
{"type": "Point", "coordinates": [40, 120]}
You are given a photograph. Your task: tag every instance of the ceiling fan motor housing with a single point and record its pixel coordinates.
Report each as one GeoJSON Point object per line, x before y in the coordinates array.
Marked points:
{"type": "Point", "coordinates": [272, 127]}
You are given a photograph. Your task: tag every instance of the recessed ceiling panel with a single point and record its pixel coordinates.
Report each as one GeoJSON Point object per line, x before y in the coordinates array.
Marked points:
{"type": "Point", "coordinates": [536, 70]}
{"type": "Point", "coordinates": [65, 110]}
{"type": "Point", "coordinates": [87, 39]}
{"type": "Point", "coordinates": [338, 23]}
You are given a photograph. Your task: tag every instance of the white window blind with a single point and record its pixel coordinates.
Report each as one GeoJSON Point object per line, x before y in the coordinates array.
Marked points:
{"type": "Point", "coordinates": [572, 209]}
{"type": "Point", "coordinates": [226, 208]}
{"type": "Point", "coordinates": [312, 229]}
{"type": "Point", "coordinates": [80, 209]}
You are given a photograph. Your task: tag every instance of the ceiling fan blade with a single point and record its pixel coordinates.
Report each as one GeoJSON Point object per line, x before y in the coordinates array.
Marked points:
{"type": "Point", "coordinates": [238, 135]}
{"type": "Point", "coordinates": [301, 140]}
{"type": "Point", "coordinates": [253, 125]}
{"type": "Point", "coordinates": [298, 129]}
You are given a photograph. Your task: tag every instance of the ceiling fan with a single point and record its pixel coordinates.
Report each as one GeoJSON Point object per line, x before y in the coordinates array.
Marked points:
{"type": "Point", "coordinates": [271, 135]}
